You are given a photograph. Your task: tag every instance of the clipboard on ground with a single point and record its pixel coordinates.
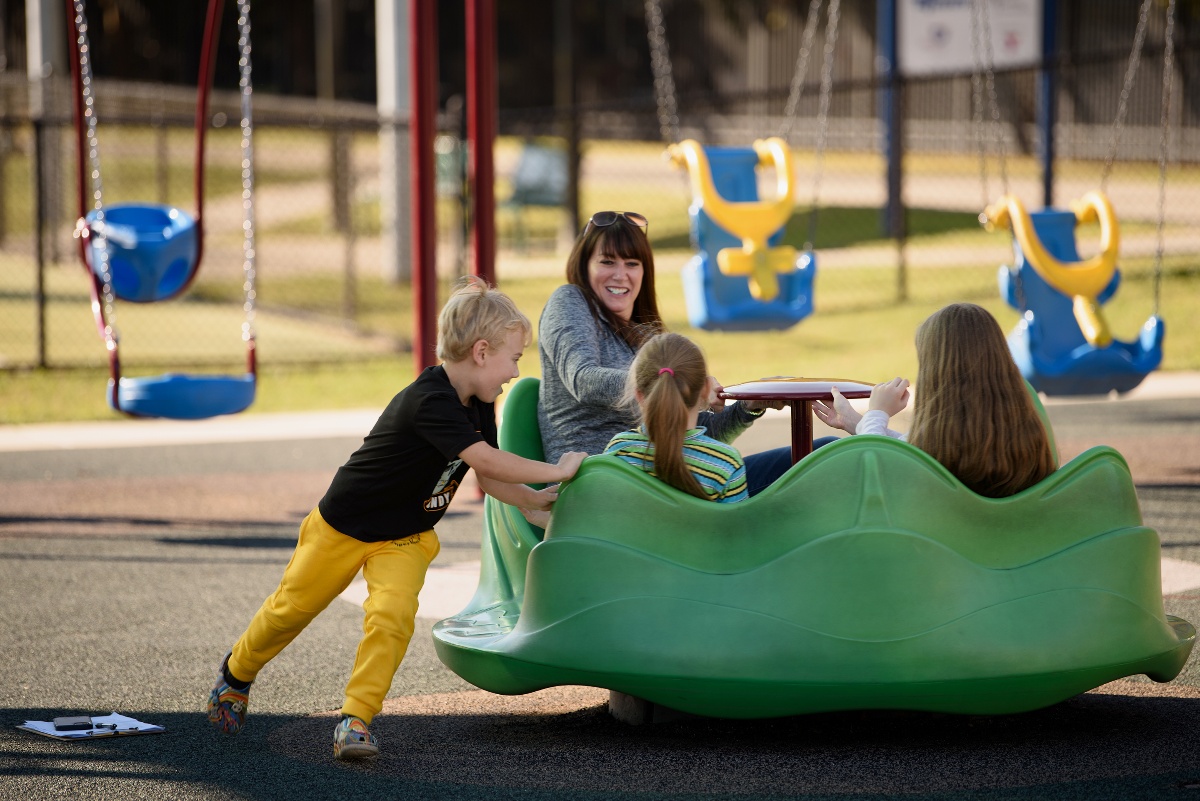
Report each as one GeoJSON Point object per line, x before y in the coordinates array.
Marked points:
{"type": "Point", "coordinates": [113, 725]}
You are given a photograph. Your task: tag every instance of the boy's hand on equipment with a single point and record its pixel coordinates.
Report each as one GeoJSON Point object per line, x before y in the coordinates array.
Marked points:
{"type": "Point", "coordinates": [538, 517]}
{"type": "Point", "coordinates": [541, 502]}
{"type": "Point", "coordinates": [569, 463]}
{"type": "Point", "coordinates": [890, 397]}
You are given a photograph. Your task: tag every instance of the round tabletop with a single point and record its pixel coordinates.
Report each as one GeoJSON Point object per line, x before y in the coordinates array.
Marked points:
{"type": "Point", "coordinates": [796, 388]}
{"type": "Point", "coordinates": [802, 392]}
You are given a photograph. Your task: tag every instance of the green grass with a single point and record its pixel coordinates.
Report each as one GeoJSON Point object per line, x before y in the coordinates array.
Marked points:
{"type": "Point", "coordinates": [130, 166]}
{"type": "Point", "coordinates": [857, 342]}
{"type": "Point", "coordinates": [359, 344]}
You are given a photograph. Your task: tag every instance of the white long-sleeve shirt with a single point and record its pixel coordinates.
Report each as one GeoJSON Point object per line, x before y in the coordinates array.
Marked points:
{"type": "Point", "coordinates": [875, 421]}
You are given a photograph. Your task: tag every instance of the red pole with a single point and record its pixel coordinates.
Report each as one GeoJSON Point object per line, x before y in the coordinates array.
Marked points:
{"type": "Point", "coordinates": [423, 33]}
{"type": "Point", "coordinates": [208, 67]}
{"type": "Point", "coordinates": [481, 132]}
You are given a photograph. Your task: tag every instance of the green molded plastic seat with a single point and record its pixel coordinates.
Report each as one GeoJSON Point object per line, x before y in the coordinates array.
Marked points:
{"type": "Point", "coordinates": [866, 577]}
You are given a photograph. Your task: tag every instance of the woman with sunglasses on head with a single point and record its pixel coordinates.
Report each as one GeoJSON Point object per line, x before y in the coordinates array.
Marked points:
{"type": "Point", "coordinates": [590, 330]}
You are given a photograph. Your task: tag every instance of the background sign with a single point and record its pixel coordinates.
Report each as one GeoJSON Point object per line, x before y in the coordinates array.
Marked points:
{"type": "Point", "coordinates": [934, 36]}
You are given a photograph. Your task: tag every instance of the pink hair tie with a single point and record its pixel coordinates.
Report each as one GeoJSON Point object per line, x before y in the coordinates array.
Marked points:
{"type": "Point", "coordinates": [667, 370]}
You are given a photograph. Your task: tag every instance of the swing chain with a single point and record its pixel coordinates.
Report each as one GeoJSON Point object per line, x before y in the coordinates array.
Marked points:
{"type": "Point", "coordinates": [797, 87]}
{"type": "Point", "coordinates": [1164, 148]}
{"type": "Point", "coordinates": [94, 232]}
{"type": "Point", "coordinates": [1131, 70]}
{"type": "Point", "coordinates": [660, 65]}
{"type": "Point", "coordinates": [983, 57]}
{"type": "Point", "coordinates": [977, 107]}
{"type": "Point", "coordinates": [981, 38]}
{"type": "Point", "coordinates": [831, 35]}
{"type": "Point", "coordinates": [248, 246]}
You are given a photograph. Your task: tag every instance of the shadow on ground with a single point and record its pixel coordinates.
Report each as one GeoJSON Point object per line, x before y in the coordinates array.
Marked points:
{"type": "Point", "coordinates": [1127, 740]}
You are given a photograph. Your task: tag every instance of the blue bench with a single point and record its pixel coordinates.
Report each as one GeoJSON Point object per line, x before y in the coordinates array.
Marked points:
{"type": "Point", "coordinates": [540, 180]}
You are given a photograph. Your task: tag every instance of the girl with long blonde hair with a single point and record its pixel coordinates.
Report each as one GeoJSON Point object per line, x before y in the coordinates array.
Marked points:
{"type": "Point", "coordinates": [671, 385]}
{"type": "Point", "coordinates": [973, 413]}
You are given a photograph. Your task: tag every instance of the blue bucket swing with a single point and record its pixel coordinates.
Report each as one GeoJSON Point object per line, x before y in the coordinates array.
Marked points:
{"type": "Point", "coordinates": [146, 252]}
{"type": "Point", "coordinates": [742, 278]}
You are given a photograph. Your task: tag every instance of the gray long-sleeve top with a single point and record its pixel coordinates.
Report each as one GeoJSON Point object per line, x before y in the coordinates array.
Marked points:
{"type": "Point", "coordinates": [584, 367]}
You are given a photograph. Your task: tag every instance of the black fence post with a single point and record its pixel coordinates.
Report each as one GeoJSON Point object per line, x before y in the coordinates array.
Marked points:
{"type": "Point", "coordinates": [39, 239]}
{"type": "Point", "coordinates": [892, 113]}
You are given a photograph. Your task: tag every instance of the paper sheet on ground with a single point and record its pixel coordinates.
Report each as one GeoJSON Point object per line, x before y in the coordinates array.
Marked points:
{"type": "Point", "coordinates": [102, 726]}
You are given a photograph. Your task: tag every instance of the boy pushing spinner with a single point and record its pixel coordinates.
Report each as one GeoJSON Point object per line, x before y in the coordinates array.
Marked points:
{"type": "Point", "coordinates": [378, 514]}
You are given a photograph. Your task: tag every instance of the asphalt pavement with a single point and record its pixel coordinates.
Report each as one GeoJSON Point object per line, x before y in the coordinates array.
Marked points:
{"type": "Point", "coordinates": [132, 554]}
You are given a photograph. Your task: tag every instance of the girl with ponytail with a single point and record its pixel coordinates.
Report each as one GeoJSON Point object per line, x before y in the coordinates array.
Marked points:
{"type": "Point", "coordinates": [671, 385]}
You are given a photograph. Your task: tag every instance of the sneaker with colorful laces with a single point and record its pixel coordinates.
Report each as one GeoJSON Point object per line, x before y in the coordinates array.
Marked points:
{"type": "Point", "coordinates": [227, 705]}
{"type": "Point", "coordinates": [352, 740]}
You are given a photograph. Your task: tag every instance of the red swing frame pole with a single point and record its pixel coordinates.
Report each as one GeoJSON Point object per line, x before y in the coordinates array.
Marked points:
{"type": "Point", "coordinates": [423, 33]}
{"type": "Point", "coordinates": [204, 80]}
{"type": "Point", "coordinates": [481, 132]}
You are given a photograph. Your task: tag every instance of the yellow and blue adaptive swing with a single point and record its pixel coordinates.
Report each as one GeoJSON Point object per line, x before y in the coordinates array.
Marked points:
{"type": "Point", "coordinates": [1062, 343]}
{"type": "Point", "coordinates": [742, 278]}
{"type": "Point", "coordinates": [144, 253]}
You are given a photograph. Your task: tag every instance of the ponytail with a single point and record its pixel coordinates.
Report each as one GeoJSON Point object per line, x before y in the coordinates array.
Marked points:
{"type": "Point", "coordinates": [664, 419]}
{"type": "Point", "coordinates": [670, 374]}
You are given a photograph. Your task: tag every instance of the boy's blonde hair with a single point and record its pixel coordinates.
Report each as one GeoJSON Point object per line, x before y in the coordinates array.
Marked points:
{"type": "Point", "coordinates": [475, 311]}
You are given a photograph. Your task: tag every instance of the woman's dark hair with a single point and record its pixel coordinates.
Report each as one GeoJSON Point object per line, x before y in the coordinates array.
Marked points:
{"type": "Point", "coordinates": [621, 239]}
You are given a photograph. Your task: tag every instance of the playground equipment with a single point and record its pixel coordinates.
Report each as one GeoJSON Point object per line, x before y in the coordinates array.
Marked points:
{"type": "Point", "coordinates": [1063, 344]}
{"type": "Point", "coordinates": [902, 590]}
{"type": "Point", "coordinates": [741, 277]}
{"type": "Point", "coordinates": [757, 283]}
{"type": "Point", "coordinates": [144, 253]}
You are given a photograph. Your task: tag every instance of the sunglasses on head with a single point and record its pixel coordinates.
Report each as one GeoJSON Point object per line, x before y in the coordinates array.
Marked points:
{"type": "Point", "coordinates": [602, 219]}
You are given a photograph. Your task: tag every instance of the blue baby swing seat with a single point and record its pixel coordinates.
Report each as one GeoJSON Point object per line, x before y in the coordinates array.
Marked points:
{"type": "Point", "coordinates": [153, 250]}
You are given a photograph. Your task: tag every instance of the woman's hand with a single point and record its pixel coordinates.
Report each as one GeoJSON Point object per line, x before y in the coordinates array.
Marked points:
{"type": "Point", "coordinates": [840, 415]}
{"type": "Point", "coordinates": [712, 392]}
{"type": "Point", "coordinates": [749, 405]}
{"type": "Point", "coordinates": [762, 405]}
{"type": "Point", "coordinates": [890, 397]}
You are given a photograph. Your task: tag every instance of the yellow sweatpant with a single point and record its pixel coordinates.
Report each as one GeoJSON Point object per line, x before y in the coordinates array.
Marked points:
{"type": "Point", "coordinates": [323, 565]}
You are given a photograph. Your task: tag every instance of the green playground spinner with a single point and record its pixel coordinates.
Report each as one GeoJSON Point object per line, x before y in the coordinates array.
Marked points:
{"type": "Point", "coordinates": [867, 577]}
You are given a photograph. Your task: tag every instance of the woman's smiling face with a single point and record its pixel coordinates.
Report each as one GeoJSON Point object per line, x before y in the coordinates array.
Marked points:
{"type": "Point", "coordinates": [616, 280]}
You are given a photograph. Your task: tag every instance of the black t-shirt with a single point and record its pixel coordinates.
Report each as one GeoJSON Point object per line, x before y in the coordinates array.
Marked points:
{"type": "Point", "coordinates": [400, 481]}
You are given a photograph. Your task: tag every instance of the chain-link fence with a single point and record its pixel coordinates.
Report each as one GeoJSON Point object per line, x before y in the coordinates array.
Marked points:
{"type": "Point", "coordinates": [322, 295]}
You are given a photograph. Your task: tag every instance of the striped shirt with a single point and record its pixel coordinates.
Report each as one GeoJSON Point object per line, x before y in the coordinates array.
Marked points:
{"type": "Point", "coordinates": [717, 466]}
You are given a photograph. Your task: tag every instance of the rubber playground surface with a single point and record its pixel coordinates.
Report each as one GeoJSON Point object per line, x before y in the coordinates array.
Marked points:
{"type": "Point", "coordinates": [133, 554]}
